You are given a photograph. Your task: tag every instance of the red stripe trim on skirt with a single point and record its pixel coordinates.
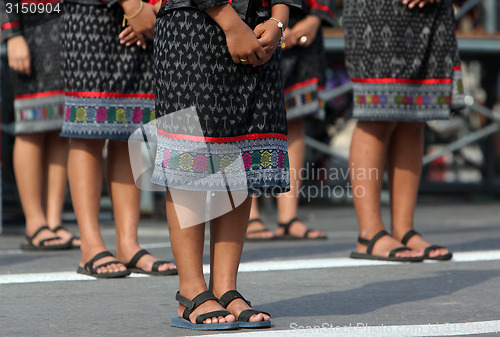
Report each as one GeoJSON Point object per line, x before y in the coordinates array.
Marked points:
{"type": "Point", "coordinates": [301, 84]}
{"type": "Point", "coordinates": [108, 94]}
{"type": "Point", "coordinates": [402, 80]}
{"type": "Point", "coordinates": [40, 94]}
{"type": "Point", "coordinates": [10, 25]}
{"type": "Point", "coordinates": [36, 2]}
{"type": "Point", "coordinates": [222, 139]}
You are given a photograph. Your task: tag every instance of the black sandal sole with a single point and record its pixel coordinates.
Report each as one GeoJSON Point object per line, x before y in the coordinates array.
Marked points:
{"type": "Point", "coordinates": [363, 256]}
{"type": "Point", "coordinates": [118, 274]}
{"type": "Point", "coordinates": [33, 248]}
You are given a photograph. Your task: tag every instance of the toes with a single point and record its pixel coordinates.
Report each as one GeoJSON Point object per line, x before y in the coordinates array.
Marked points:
{"type": "Point", "coordinates": [230, 318]}
{"type": "Point", "coordinates": [257, 318]}
{"type": "Point", "coordinates": [167, 266]}
{"type": "Point", "coordinates": [438, 252]}
{"type": "Point", "coordinates": [112, 268]}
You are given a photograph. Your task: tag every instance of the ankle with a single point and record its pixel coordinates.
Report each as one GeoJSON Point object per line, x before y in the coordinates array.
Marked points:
{"type": "Point", "coordinates": [369, 232]}
{"type": "Point", "coordinates": [399, 233]}
{"type": "Point", "coordinates": [192, 290]}
{"type": "Point", "coordinates": [127, 245]}
{"type": "Point", "coordinates": [219, 291]}
{"type": "Point", "coordinates": [32, 227]}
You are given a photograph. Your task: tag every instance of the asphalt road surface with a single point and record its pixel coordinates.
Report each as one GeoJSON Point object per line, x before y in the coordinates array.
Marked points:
{"type": "Point", "coordinates": [311, 288]}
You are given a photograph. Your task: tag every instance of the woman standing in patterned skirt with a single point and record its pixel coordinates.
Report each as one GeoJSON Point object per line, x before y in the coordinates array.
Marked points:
{"type": "Point", "coordinates": [109, 94]}
{"type": "Point", "coordinates": [304, 67]}
{"type": "Point", "coordinates": [221, 128]}
{"type": "Point", "coordinates": [40, 155]}
{"type": "Point", "coordinates": [403, 60]}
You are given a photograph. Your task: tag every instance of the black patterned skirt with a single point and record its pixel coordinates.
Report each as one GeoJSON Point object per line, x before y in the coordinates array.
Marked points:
{"type": "Point", "coordinates": [39, 97]}
{"type": "Point", "coordinates": [304, 71]}
{"type": "Point", "coordinates": [109, 87]}
{"type": "Point", "coordinates": [220, 125]}
{"type": "Point", "coordinates": [403, 62]}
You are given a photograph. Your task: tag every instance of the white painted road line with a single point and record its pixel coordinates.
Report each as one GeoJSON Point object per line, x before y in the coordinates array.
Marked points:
{"type": "Point", "coordinates": [446, 329]}
{"type": "Point", "coordinates": [259, 266]}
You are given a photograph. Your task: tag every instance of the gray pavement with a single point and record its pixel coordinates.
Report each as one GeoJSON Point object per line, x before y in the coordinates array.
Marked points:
{"type": "Point", "coordinates": [366, 295]}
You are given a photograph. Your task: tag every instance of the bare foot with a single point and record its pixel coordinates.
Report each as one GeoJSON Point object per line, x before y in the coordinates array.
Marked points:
{"type": "Point", "coordinates": [204, 308]}
{"type": "Point", "coordinates": [45, 234]}
{"type": "Point", "coordinates": [145, 262]}
{"type": "Point", "coordinates": [66, 235]}
{"type": "Point", "coordinates": [385, 245]}
{"type": "Point", "coordinates": [416, 242]}
{"type": "Point", "coordinates": [257, 230]}
{"type": "Point", "coordinates": [298, 229]}
{"type": "Point", "coordinates": [89, 253]}
{"type": "Point", "coordinates": [238, 305]}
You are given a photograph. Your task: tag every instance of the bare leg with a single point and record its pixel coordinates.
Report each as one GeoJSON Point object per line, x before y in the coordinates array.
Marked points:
{"type": "Point", "coordinates": [289, 202]}
{"type": "Point", "coordinates": [227, 235]}
{"type": "Point", "coordinates": [187, 246]}
{"type": "Point", "coordinates": [56, 180]}
{"type": "Point", "coordinates": [28, 169]}
{"type": "Point", "coordinates": [404, 167]}
{"type": "Point", "coordinates": [256, 228]}
{"type": "Point", "coordinates": [125, 197]}
{"type": "Point", "coordinates": [368, 157]}
{"type": "Point", "coordinates": [85, 181]}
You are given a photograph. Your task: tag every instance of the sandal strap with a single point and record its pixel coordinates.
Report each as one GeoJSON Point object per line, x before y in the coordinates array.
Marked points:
{"type": "Point", "coordinates": [230, 296]}
{"type": "Point", "coordinates": [157, 265]}
{"type": "Point", "coordinates": [309, 230]}
{"type": "Point", "coordinates": [88, 266]}
{"type": "Point", "coordinates": [411, 233]}
{"type": "Point", "coordinates": [370, 243]}
{"type": "Point", "coordinates": [105, 264]}
{"type": "Point", "coordinates": [191, 305]}
{"type": "Point", "coordinates": [42, 242]}
{"type": "Point", "coordinates": [211, 314]}
{"type": "Point", "coordinates": [133, 262]}
{"type": "Point", "coordinates": [58, 228]}
{"type": "Point", "coordinates": [393, 252]}
{"type": "Point", "coordinates": [431, 248]}
{"type": "Point", "coordinates": [246, 314]}
{"type": "Point", "coordinates": [30, 238]}
{"type": "Point", "coordinates": [286, 226]}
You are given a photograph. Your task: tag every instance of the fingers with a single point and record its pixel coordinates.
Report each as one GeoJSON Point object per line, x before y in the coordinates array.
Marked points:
{"type": "Point", "coordinates": [21, 65]}
{"type": "Point", "coordinates": [259, 30]}
{"type": "Point", "coordinates": [128, 37]}
{"type": "Point", "coordinates": [304, 41]}
{"type": "Point", "coordinates": [261, 54]}
{"type": "Point", "coordinates": [142, 41]}
{"type": "Point", "coordinates": [420, 3]}
{"type": "Point", "coordinates": [253, 57]}
{"type": "Point", "coordinates": [26, 66]}
{"type": "Point", "coordinates": [264, 60]}
{"type": "Point", "coordinates": [125, 33]}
